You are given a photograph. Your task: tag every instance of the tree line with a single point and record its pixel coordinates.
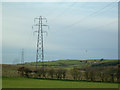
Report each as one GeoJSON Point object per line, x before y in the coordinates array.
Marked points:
{"type": "Point", "coordinates": [102, 74]}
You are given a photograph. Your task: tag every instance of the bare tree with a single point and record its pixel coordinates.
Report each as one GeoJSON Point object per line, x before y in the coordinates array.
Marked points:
{"type": "Point", "coordinates": [24, 71]}
{"type": "Point", "coordinates": [51, 72]}
{"type": "Point", "coordinates": [75, 73]}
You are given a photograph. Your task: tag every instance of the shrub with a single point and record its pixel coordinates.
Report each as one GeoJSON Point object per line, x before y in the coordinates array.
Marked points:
{"type": "Point", "coordinates": [75, 73]}
{"type": "Point", "coordinates": [24, 71]}
{"type": "Point", "coordinates": [51, 72]}
{"type": "Point", "coordinates": [42, 72]}
{"type": "Point", "coordinates": [60, 73]}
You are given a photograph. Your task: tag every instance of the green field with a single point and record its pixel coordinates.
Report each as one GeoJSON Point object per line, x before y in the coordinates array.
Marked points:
{"type": "Point", "coordinates": [12, 79]}
{"type": "Point", "coordinates": [40, 83]}
{"type": "Point", "coordinates": [72, 63]}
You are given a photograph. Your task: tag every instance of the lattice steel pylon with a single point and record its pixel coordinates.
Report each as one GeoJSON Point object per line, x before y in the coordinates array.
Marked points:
{"type": "Point", "coordinates": [40, 44]}
{"type": "Point", "coordinates": [22, 56]}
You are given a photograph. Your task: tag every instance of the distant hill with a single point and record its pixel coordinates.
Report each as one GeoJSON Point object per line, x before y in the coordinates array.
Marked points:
{"type": "Point", "coordinates": [110, 63]}
{"type": "Point", "coordinates": [73, 63]}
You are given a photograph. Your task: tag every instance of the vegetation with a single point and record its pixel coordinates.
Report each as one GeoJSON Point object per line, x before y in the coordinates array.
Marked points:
{"type": "Point", "coordinates": [103, 74]}
{"type": "Point", "coordinates": [92, 71]}
{"type": "Point", "coordinates": [112, 63]}
{"type": "Point", "coordinates": [72, 63]}
{"type": "Point", "coordinates": [44, 83]}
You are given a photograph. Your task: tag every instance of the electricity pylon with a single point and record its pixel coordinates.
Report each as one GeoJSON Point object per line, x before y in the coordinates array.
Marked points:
{"type": "Point", "coordinates": [22, 56]}
{"type": "Point", "coordinates": [40, 47]}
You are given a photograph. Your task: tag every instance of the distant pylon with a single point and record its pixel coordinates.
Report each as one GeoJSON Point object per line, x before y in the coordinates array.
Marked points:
{"type": "Point", "coordinates": [22, 56]}
{"type": "Point", "coordinates": [40, 47]}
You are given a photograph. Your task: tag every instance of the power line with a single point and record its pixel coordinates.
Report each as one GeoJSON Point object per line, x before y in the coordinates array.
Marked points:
{"type": "Point", "coordinates": [64, 11]}
{"type": "Point", "coordinates": [99, 27]}
{"type": "Point", "coordinates": [92, 14]}
{"type": "Point", "coordinates": [96, 28]}
{"type": "Point", "coordinates": [50, 13]}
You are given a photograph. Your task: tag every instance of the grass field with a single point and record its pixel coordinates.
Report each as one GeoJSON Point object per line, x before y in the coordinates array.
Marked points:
{"type": "Point", "coordinates": [40, 83]}
{"type": "Point", "coordinates": [69, 64]}
{"type": "Point", "coordinates": [11, 78]}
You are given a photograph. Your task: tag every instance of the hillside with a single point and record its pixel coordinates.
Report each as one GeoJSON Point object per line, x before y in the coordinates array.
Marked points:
{"type": "Point", "coordinates": [92, 68]}
{"type": "Point", "coordinates": [73, 63]}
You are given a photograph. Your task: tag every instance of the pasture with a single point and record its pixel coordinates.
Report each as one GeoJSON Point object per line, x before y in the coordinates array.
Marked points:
{"type": "Point", "coordinates": [11, 78]}
{"type": "Point", "coordinates": [18, 82]}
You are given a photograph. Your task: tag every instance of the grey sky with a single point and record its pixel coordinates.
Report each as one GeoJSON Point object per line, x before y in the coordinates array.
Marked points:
{"type": "Point", "coordinates": [78, 30]}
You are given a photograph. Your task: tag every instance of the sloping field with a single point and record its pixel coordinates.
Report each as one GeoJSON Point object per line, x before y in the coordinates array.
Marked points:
{"type": "Point", "coordinates": [40, 83]}
{"type": "Point", "coordinates": [72, 63]}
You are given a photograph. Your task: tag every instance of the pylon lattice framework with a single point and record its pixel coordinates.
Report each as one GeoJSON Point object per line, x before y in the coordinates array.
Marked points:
{"type": "Point", "coordinates": [40, 39]}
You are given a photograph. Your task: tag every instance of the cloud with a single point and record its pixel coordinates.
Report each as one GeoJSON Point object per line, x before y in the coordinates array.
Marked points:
{"type": "Point", "coordinates": [98, 32]}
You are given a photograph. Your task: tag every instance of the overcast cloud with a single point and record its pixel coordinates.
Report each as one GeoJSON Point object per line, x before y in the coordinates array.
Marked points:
{"type": "Point", "coordinates": [78, 30]}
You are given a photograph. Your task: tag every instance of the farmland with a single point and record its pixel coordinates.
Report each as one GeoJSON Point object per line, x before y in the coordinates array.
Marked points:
{"type": "Point", "coordinates": [73, 63]}
{"type": "Point", "coordinates": [40, 83]}
{"type": "Point", "coordinates": [74, 78]}
{"type": "Point", "coordinates": [11, 70]}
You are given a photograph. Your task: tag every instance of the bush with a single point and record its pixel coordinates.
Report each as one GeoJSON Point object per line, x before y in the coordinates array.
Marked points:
{"type": "Point", "coordinates": [42, 72]}
{"type": "Point", "coordinates": [51, 72]}
{"type": "Point", "coordinates": [24, 71]}
{"type": "Point", "coordinates": [76, 73]}
{"type": "Point", "coordinates": [60, 73]}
